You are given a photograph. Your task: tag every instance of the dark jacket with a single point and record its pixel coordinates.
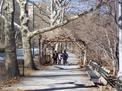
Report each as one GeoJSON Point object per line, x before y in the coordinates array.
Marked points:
{"type": "Point", "coordinates": [65, 56]}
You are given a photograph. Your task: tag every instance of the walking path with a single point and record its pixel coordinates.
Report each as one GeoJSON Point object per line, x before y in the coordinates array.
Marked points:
{"type": "Point", "coordinates": [57, 78]}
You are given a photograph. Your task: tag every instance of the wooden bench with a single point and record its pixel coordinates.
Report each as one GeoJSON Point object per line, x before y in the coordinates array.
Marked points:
{"type": "Point", "coordinates": [100, 72]}
{"type": "Point", "coordinates": [94, 77]}
{"type": "Point", "coordinates": [112, 81]}
{"type": "Point", "coordinates": [118, 84]}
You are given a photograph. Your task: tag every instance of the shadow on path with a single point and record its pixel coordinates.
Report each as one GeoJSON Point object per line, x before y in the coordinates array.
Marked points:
{"type": "Point", "coordinates": [65, 88]}
{"type": "Point", "coordinates": [51, 76]}
{"type": "Point", "coordinates": [56, 78]}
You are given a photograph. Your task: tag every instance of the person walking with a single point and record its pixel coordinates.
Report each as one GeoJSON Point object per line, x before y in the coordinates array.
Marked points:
{"type": "Point", "coordinates": [65, 57]}
{"type": "Point", "coordinates": [55, 57]}
{"type": "Point", "coordinates": [60, 57]}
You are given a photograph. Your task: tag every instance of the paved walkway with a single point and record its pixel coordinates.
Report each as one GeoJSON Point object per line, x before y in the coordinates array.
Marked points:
{"type": "Point", "coordinates": [57, 78]}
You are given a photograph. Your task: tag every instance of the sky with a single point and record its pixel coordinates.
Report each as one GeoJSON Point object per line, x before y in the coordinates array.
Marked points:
{"type": "Point", "coordinates": [76, 6]}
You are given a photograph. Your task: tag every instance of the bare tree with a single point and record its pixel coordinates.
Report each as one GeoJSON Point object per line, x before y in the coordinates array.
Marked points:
{"type": "Point", "coordinates": [57, 11]}
{"type": "Point", "coordinates": [57, 20]}
{"type": "Point", "coordinates": [24, 31]}
{"type": "Point", "coordinates": [10, 46]}
{"type": "Point", "coordinates": [27, 35]}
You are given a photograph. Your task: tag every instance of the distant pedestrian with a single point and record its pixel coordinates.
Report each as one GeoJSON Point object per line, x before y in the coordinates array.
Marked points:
{"type": "Point", "coordinates": [55, 57]}
{"type": "Point", "coordinates": [65, 57]}
{"type": "Point", "coordinates": [60, 58]}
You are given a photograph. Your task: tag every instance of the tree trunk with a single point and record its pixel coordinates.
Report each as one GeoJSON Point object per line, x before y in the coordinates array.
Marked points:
{"type": "Point", "coordinates": [27, 51]}
{"type": "Point", "coordinates": [84, 57]}
{"type": "Point", "coordinates": [120, 37]}
{"type": "Point", "coordinates": [10, 46]}
{"type": "Point", "coordinates": [29, 62]}
{"type": "Point", "coordinates": [44, 53]}
{"type": "Point", "coordinates": [41, 51]}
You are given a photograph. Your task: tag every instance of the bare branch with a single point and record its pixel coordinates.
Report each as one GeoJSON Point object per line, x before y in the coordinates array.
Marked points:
{"type": "Point", "coordinates": [41, 10]}
{"type": "Point", "coordinates": [43, 19]}
{"type": "Point", "coordinates": [32, 34]}
{"type": "Point", "coordinates": [15, 24]}
{"type": "Point", "coordinates": [57, 11]}
{"type": "Point", "coordinates": [1, 5]}
{"type": "Point", "coordinates": [56, 16]}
